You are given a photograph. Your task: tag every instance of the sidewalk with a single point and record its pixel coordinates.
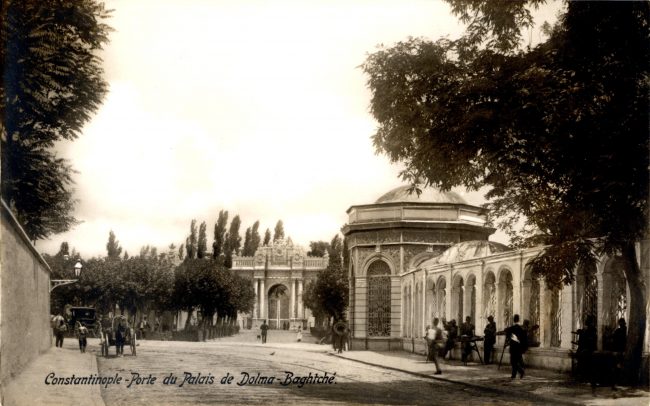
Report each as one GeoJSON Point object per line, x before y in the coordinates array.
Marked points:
{"type": "Point", "coordinates": [29, 387]}
{"type": "Point", "coordinates": [552, 387]}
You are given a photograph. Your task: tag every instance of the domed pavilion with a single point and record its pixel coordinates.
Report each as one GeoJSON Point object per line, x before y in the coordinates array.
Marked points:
{"type": "Point", "coordinates": [398, 232]}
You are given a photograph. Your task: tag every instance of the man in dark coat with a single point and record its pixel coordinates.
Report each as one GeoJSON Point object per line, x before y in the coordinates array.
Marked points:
{"type": "Point", "coordinates": [518, 343]}
{"type": "Point", "coordinates": [490, 338]}
{"type": "Point", "coordinates": [264, 328]}
{"type": "Point", "coordinates": [467, 332]}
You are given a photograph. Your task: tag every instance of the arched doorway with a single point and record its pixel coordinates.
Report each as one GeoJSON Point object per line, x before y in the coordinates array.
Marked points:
{"type": "Point", "coordinates": [378, 299]}
{"type": "Point", "coordinates": [278, 307]}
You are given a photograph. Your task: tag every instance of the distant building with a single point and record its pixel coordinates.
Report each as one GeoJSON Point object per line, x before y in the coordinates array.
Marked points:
{"type": "Point", "coordinates": [280, 273]}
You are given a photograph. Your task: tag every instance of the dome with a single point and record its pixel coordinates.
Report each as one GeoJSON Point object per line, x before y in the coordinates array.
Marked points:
{"type": "Point", "coordinates": [467, 250]}
{"type": "Point", "coordinates": [428, 195]}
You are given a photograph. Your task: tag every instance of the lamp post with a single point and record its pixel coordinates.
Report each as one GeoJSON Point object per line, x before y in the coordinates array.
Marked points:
{"type": "Point", "coordinates": [54, 283]}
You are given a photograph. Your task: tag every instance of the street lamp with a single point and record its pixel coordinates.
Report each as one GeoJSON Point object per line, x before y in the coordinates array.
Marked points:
{"type": "Point", "coordinates": [54, 283]}
{"type": "Point", "coordinates": [77, 269]}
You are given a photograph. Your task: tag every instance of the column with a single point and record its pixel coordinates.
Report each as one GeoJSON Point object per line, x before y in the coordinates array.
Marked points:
{"type": "Point", "coordinates": [292, 306]}
{"type": "Point", "coordinates": [425, 322]}
{"type": "Point", "coordinates": [301, 314]}
{"type": "Point", "coordinates": [566, 320]}
{"type": "Point", "coordinates": [543, 315]}
{"type": "Point", "coordinates": [262, 300]}
{"type": "Point", "coordinates": [255, 305]}
{"type": "Point", "coordinates": [481, 320]}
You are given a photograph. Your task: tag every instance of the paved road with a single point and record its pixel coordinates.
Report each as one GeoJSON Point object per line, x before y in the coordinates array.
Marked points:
{"type": "Point", "coordinates": [354, 383]}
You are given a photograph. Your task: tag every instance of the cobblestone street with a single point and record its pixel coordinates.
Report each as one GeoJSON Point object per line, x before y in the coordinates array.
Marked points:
{"type": "Point", "coordinates": [354, 383]}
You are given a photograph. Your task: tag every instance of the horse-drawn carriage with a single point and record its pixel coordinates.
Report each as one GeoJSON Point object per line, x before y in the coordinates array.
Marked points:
{"type": "Point", "coordinates": [84, 316]}
{"type": "Point", "coordinates": [116, 331]}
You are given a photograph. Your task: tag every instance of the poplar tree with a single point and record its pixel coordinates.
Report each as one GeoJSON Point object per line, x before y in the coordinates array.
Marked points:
{"type": "Point", "coordinates": [202, 246]}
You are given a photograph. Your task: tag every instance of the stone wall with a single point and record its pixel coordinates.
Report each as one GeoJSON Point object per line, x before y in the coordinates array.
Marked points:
{"type": "Point", "coordinates": [24, 299]}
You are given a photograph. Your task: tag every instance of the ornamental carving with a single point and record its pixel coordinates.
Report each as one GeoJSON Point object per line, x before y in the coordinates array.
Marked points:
{"type": "Point", "coordinates": [376, 237]}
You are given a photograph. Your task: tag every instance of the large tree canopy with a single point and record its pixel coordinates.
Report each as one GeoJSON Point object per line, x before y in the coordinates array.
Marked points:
{"type": "Point", "coordinates": [52, 83]}
{"type": "Point", "coordinates": [558, 133]}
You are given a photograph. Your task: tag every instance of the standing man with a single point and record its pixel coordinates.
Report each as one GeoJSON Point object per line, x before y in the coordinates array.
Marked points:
{"type": "Point", "coordinates": [82, 333]}
{"type": "Point", "coordinates": [467, 331]}
{"type": "Point", "coordinates": [490, 338]}
{"type": "Point", "coordinates": [144, 325]}
{"type": "Point", "coordinates": [264, 327]}
{"type": "Point", "coordinates": [517, 341]}
{"type": "Point", "coordinates": [59, 329]}
{"type": "Point", "coordinates": [434, 337]}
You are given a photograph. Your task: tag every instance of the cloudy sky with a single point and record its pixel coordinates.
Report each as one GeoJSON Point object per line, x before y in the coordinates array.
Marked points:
{"type": "Point", "coordinates": [256, 107]}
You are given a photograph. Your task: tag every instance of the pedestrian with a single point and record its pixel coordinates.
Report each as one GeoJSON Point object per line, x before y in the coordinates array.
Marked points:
{"type": "Point", "coordinates": [82, 334]}
{"type": "Point", "coordinates": [428, 337]}
{"type": "Point", "coordinates": [434, 337]}
{"type": "Point", "coordinates": [466, 333]}
{"type": "Point", "coordinates": [59, 329]}
{"type": "Point", "coordinates": [120, 335]}
{"type": "Point", "coordinates": [490, 338]}
{"type": "Point", "coordinates": [144, 325]}
{"type": "Point", "coordinates": [340, 333]}
{"type": "Point", "coordinates": [587, 342]}
{"type": "Point", "coordinates": [264, 328]}
{"type": "Point", "coordinates": [299, 334]}
{"type": "Point", "coordinates": [619, 342]}
{"type": "Point", "coordinates": [517, 341]}
{"type": "Point", "coordinates": [452, 335]}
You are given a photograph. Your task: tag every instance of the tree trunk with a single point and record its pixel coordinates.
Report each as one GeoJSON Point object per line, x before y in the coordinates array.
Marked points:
{"type": "Point", "coordinates": [637, 322]}
{"type": "Point", "coordinates": [189, 318]}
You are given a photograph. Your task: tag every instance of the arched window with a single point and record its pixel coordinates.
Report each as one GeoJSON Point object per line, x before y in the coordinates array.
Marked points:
{"type": "Point", "coordinates": [457, 299]}
{"type": "Point", "coordinates": [587, 286]}
{"type": "Point", "coordinates": [505, 299]}
{"type": "Point", "coordinates": [441, 299]}
{"type": "Point", "coordinates": [378, 299]}
{"type": "Point", "coordinates": [490, 296]}
{"type": "Point", "coordinates": [614, 298]}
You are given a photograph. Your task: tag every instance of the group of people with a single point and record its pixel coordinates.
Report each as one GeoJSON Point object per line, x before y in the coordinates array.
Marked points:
{"type": "Point", "coordinates": [441, 342]}
{"type": "Point", "coordinates": [588, 365]}
{"type": "Point", "coordinates": [60, 327]}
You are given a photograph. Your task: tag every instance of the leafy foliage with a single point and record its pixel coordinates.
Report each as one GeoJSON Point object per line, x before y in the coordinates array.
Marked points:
{"type": "Point", "coordinates": [328, 295]}
{"type": "Point", "coordinates": [52, 84]}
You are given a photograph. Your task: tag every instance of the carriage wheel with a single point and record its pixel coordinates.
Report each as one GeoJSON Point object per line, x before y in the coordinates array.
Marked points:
{"type": "Point", "coordinates": [133, 342]}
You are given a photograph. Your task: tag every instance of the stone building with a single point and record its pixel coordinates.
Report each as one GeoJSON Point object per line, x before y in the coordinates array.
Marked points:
{"type": "Point", "coordinates": [280, 273]}
{"type": "Point", "coordinates": [413, 258]}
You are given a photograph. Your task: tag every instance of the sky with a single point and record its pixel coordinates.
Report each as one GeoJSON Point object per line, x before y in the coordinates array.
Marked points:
{"type": "Point", "coordinates": [259, 108]}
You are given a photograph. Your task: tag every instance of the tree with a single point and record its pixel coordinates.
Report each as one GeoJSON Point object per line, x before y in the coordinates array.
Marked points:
{"type": "Point", "coordinates": [318, 248]}
{"type": "Point", "coordinates": [202, 246]}
{"type": "Point", "coordinates": [328, 295]}
{"type": "Point", "coordinates": [267, 237]}
{"type": "Point", "coordinates": [181, 252]}
{"type": "Point", "coordinates": [558, 133]}
{"type": "Point", "coordinates": [219, 234]}
{"type": "Point", "coordinates": [53, 83]}
{"type": "Point", "coordinates": [113, 248]}
{"type": "Point", "coordinates": [233, 242]}
{"type": "Point", "coordinates": [246, 252]}
{"type": "Point", "coordinates": [255, 237]}
{"type": "Point", "coordinates": [278, 233]}
{"type": "Point", "coordinates": [190, 242]}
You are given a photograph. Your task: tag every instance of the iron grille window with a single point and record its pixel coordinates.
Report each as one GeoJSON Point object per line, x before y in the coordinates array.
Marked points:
{"type": "Point", "coordinates": [379, 299]}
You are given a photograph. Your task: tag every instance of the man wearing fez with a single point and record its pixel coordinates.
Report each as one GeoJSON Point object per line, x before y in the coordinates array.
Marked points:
{"type": "Point", "coordinates": [490, 339]}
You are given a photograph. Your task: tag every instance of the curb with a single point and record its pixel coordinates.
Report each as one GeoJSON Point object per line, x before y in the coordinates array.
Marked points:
{"type": "Point", "coordinates": [500, 391]}
{"type": "Point", "coordinates": [97, 392]}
